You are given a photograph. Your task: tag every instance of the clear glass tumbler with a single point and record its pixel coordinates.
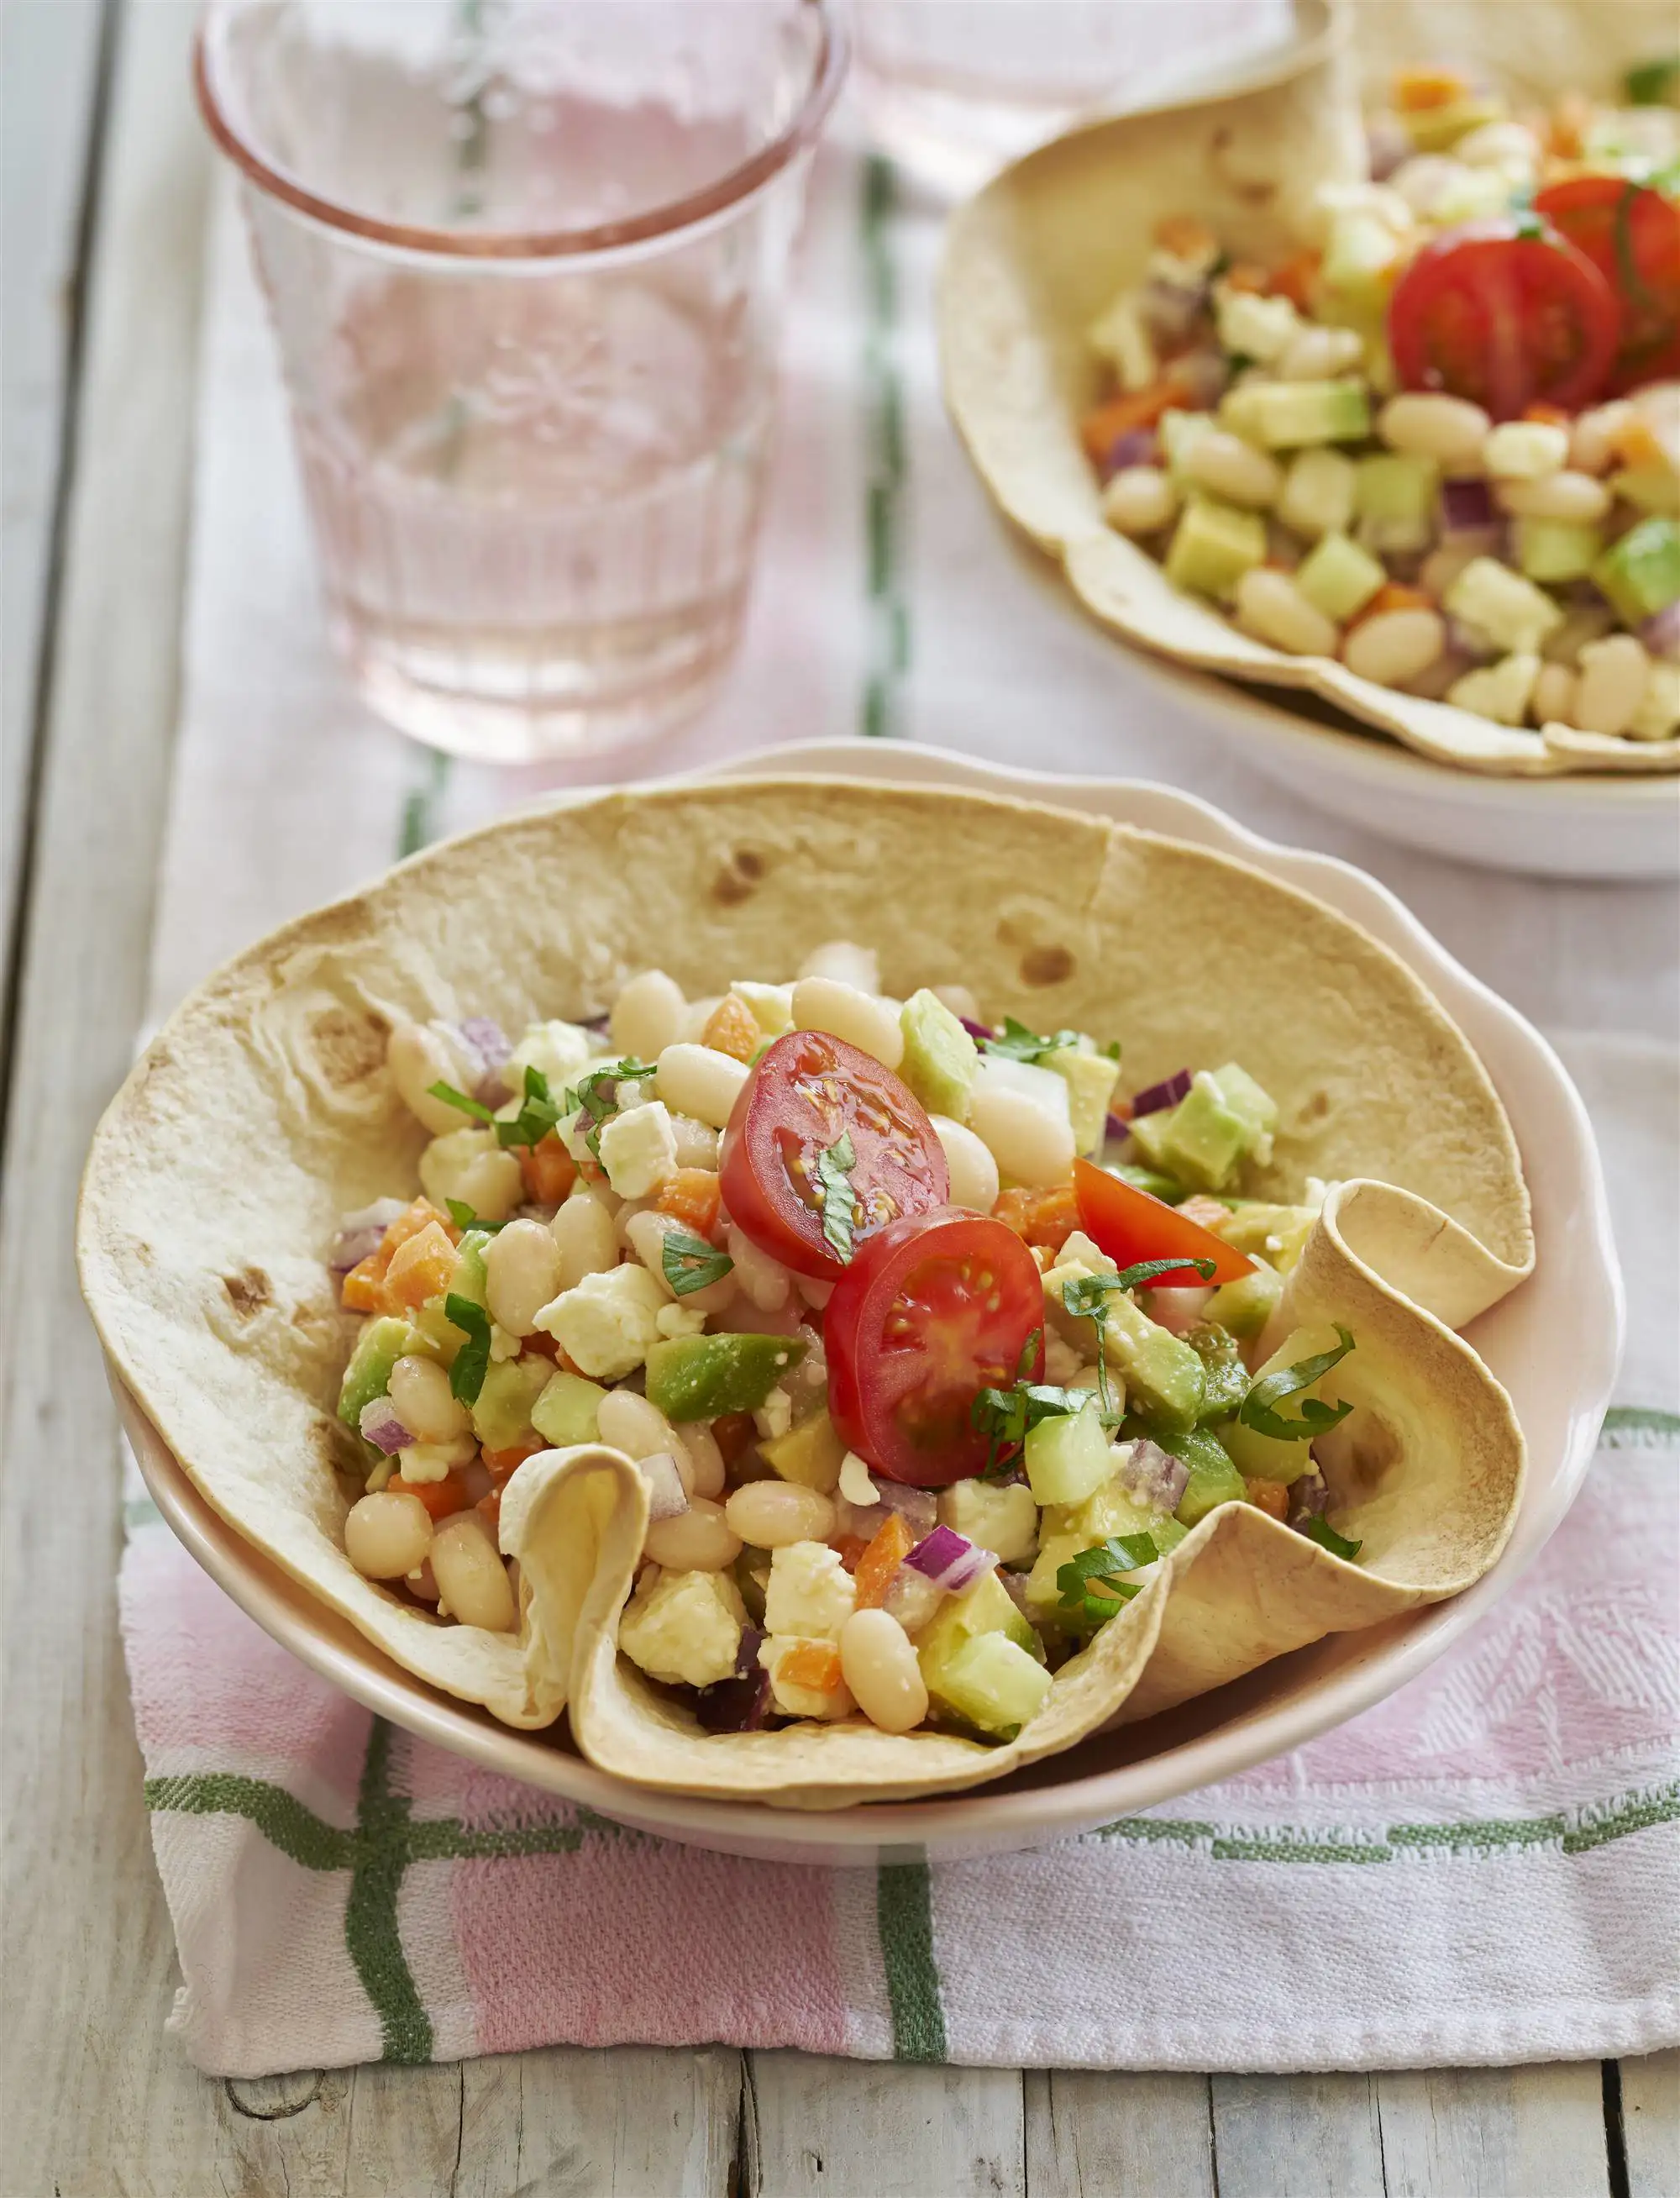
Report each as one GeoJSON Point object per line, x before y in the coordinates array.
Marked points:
{"type": "Point", "coordinates": [526, 261]}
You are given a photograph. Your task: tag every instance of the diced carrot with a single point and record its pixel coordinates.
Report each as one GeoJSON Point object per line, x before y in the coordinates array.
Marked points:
{"type": "Point", "coordinates": [732, 1432]}
{"type": "Point", "coordinates": [1185, 237]}
{"type": "Point", "coordinates": [733, 1028]}
{"type": "Point", "coordinates": [1635, 444]}
{"type": "Point", "coordinates": [422, 1268]}
{"type": "Point", "coordinates": [501, 1462]}
{"type": "Point", "coordinates": [1549, 415]}
{"type": "Point", "coordinates": [1244, 274]}
{"type": "Point", "coordinates": [363, 1287]}
{"type": "Point", "coordinates": [1128, 409]}
{"type": "Point", "coordinates": [814, 1664]}
{"type": "Point", "coordinates": [442, 1498]}
{"type": "Point", "coordinates": [1396, 596]}
{"type": "Point", "coordinates": [892, 1544]}
{"type": "Point", "coordinates": [1206, 1212]}
{"type": "Point", "coordinates": [692, 1196]}
{"type": "Point", "coordinates": [1570, 120]}
{"type": "Point", "coordinates": [548, 1169]}
{"type": "Point", "coordinates": [1416, 90]}
{"type": "Point", "coordinates": [364, 1290]}
{"type": "Point", "coordinates": [1297, 280]}
{"type": "Point", "coordinates": [1271, 1496]}
{"type": "Point", "coordinates": [489, 1509]}
{"type": "Point", "coordinates": [849, 1549]}
{"type": "Point", "coordinates": [1041, 1218]}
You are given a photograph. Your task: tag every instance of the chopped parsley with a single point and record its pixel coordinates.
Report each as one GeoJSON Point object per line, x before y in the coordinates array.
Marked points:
{"type": "Point", "coordinates": [1091, 1589]}
{"type": "Point", "coordinates": [838, 1195]}
{"type": "Point", "coordinates": [1319, 1529]}
{"type": "Point", "coordinates": [1086, 1296]}
{"type": "Point", "coordinates": [464, 1217]}
{"type": "Point", "coordinates": [472, 1361]}
{"type": "Point", "coordinates": [1004, 1415]}
{"type": "Point", "coordinates": [1017, 1043]}
{"type": "Point", "coordinates": [536, 1116]}
{"type": "Point", "coordinates": [451, 1097]}
{"type": "Point", "coordinates": [690, 1263]}
{"type": "Point", "coordinates": [1259, 1407]}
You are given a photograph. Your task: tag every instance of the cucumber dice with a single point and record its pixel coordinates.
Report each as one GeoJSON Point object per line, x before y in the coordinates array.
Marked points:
{"type": "Point", "coordinates": [568, 1410]}
{"type": "Point", "coordinates": [1214, 1479]}
{"type": "Point", "coordinates": [1067, 1457]}
{"type": "Point", "coordinates": [1339, 578]}
{"type": "Point", "coordinates": [987, 1608]}
{"type": "Point", "coordinates": [940, 1055]}
{"type": "Point", "coordinates": [1214, 545]}
{"type": "Point", "coordinates": [992, 1684]}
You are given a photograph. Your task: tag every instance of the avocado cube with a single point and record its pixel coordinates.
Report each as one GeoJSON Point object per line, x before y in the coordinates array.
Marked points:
{"type": "Point", "coordinates": [1214, 1479]}
{"type": "Point", "coordinates": [697, 1377]}
{"type": "Point", "coordinates": [1291, 414]}
{"type": "Point", "coordinates": [1205, 1138]}
{"type": "Point", "coordinates": [1640, 575]}
{"type": "Point", "coordinates": [1090, 1077]}
{"type": "Point", "coordinates": [1549, 550]}
{"type": "Point", "coordinates": [502, 1409]}
{"type": "Point", "coordinates": [1338, 577]}
{"type": "Point", "coordinates": [367, 1376]}
{"type": "Point", "coordinates": [940, 1055]}
{"type": "Point", "coordinates": [1162, 1375]}
{"type": "Point", "coordinates": [993, 1683]}
{"type": "Point", "coordinates": [1214, 545]}
{"type": "Point", "coordinates": [568, 1410]}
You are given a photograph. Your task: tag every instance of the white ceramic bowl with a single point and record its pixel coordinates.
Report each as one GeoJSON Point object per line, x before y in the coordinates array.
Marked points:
{"type": "Point", "coordinates": [1555, 1343]}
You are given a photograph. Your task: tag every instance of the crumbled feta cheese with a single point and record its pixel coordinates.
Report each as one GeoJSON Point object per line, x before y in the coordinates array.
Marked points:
{"type": "Point", "coordinates": [684, 1628]}
{"type": "Point", "coordinates": [1004, 1520]}
{"type": "Point", "coordinates": [796, 1701]}
{"type": "Point", "coordinates": [811, 1593]}
{"type": "Point", "coordinates": [557, 1050]}
{"type": "Point", "coordinates": [638, 1150]}
{"type": "Point", "coordinates": [1119, 336]}
{"type": "Point", "coordinates": [674, 1320]}
{"type": "Point", "coordinates": [609, 1322]}
{"type": "Point", "coordinates": [775, 1415]}
{"type": "Point", "coordinates": [855, 1484]}
{"type": "Point", "coordinates": [1513, 612]}
{"type": "Point", "coordinates": [1254, 327]}
{"type": "Point", "coordinates": [772, 1005]}
{"type": "Point", "coordinates": [502, 1344]}
{"type": "Point", "coordinates": [1062, 1360]}
{"type": "Point", "coordinates": [426, 1462]}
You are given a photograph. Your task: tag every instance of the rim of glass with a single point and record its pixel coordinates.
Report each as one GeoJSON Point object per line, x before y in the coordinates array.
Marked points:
{"type": "Point", "coordinates": [729, 189]}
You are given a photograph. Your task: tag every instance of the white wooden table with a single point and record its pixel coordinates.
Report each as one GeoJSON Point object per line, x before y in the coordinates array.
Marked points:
{"type": "Point", "coordinates": [105, 196]}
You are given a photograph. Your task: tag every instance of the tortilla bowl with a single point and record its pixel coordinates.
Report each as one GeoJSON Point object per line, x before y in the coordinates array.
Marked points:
{"type": "Point", "coordinates": [1031, 260]}
{"type": "Point", "coordinates": [263, 1110]}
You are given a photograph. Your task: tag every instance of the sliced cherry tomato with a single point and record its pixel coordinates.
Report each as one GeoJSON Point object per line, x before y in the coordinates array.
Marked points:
{"type": "Point", "coordinates": [1631, 235]}
{"type": "Point", "coordinates": [1130, 1225]}
{"type": "Point", "coordinates": [809, 1090]}
{"type": "Point", "coordinates": [934, 1309]}
{"type": "Point", "coordinates": [1506, 312]}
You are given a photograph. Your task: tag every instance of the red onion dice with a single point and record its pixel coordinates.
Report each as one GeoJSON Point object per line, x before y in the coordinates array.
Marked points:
{"type": "Point", "coordinates": [912, 1599]}
{"type": "Point", "coordinates": [1117, 1126]}
{"type": "Point", "coordinates": [976, 1031]}
{"type": "Point", "coordinates": [380, 1426]}
{"type": "Point", "coordinates": [1467, 507]}
{"type": "Point", "coordinates": [1389, 146]}
{"type": "Point", "coordinates": [1159, 1096]}
{"type": "Point", "coordinates": [1152, 1475]}
{"type": "Point", "coordinates": [1138, 446]}
{"type": "Point", "coordinates": [667, 1499]}
{"type": "Point", "coordinates": [360, 1234]}
{"type": "Point", "coordinates": [949, 1559]}
{"type": "Point", "coordinates": [1661, 634]}
{"type": "Point", "coordinates": [738, 1705]}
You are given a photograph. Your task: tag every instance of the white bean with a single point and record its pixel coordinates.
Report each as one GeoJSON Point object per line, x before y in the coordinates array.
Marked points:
{"type": "Point", "coordinates": [773, 1514]}
{"type": "Point", "coordinates": [763, 1282]}
{"type": "Point", "coordinates": [974, 1173]}
{"type": "Point", "coordinates": [629, 1422]}
{"type": "Point", "coordinates": [1029, 1143]}
{"type": "Point", "coordinates": [1320, 354]}
{"type": "Point", "coordinates": [588, 1240]}
{"type": "Point", "coordinates": [423, 1401]}
{"type": "Point", "coordinates": [860, 1019]}
{"type": "Point", "coordinates": [1392, 647]}
{"type": "Point", "coordinates": [473, 1582]}
{"type": "Point", "coordinates": [1498, 145]}
{"type": "Point", "coordinates": [848, 962]}
{"type": "Point", "coordinates": [521, 1266]}
{"type": "Point", "coordinates": [1431, 426]}
{"type": "Point", "coordinates": [1526, 450]}
{"type": "Point", "coordinates": [420, 1054]}
{"type": "Point", "coordinates": [1568, 495]}
{"type": "Point", "coordinates": [698, 1080]}
{"type": "Point", "coordinates": [1442, 566]}
{"type": "Point", "coordinates": [881, 1667]}
{"type": "Point", "coordinates": [1229, 466]}
{"type": "Point", "coordinates": [1612, 684]}
{"type": "Point", "coordinates": [1140, 500]}
{"type": "Point", "coordinates": [698, 1540]}
{"type": "Point", "coordinates": [468, 1165]}
{"type": "Point", "coordinates": [387, 1534]}
{"type": "Point", "coordinates": [648, 1014]}
{"type": "Point", "coordinates": [1271, 607]}
{"type": "Point", "coordinates": [1591, 449]}
{"type": "Point", "coordinates": [706, 1460]}
{"type": "Point", "coordinates": [1553, 702]}
{"type": "Point", "coordinates": [696, 1142]}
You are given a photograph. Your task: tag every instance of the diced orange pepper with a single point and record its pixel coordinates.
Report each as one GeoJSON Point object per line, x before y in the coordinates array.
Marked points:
{"type": "Point", "coordinates": [1416, 90]}
{"type": "Point", "coordinates": [503, 1462]}
{"type": "Point", "coordinates": [732, 1432]}
{"type": "Point", "coordinates": [693, 1197]}
{"type": "Point", "coordinates": [489, 1509]}
{"type": "Point", "coordinates": [1040, 1217]}
{"type": "Point", "coordinates": [892, 1544]}
{"type": "Point", "coordinates": [1571, 118]}
{"type": "Point", "coordinates": [1101, 430]}
{"type": "Point", "coordinates": [849, 1549]}
{"type": "Point", "coordinates": [1297, 280]}
{"type": "Point", "coordinates": [548, 1169]}
{"type": "Point", "coordinates": [442, 1498]}
{"type": "Point", "coordinates": [1206, 1212]}
{"type": "Point", "coordinates": [1548, 415]}
{"type": "Point", "coordinates": [364, 1288]}
{"type": "Point", "coordinates": [1184, 236]}
{"type": "Point", "coordinates": [814, 1664]}
{"type": "Point", "coordinates": [1396, 596]}
{"type": "Point", "coordinates": [422, 1268]}
{"type": "Point", "coordinates": [543, 1345]}
{"type": "Point", "coordinates": [1271, 1496]}
{"type": "Point", "coordinates": [1635, 444]}
{"type": "Point", "coordinates": [733, 1028]}
{"type": "Point", "coordinates": [1243, 274]}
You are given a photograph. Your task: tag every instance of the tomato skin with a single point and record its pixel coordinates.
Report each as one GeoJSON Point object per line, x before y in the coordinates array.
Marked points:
{"type": "Point", "coordinates": [1130, 1225]}
{"type": "Point", "coordinates": [1506, 312]}
{"type": "Point", "coordinates": [807, 1088]}
{"type": "Point", "coordinates": [1631, 235]}
{"type": "Point", "coordinates": [904, 1369]}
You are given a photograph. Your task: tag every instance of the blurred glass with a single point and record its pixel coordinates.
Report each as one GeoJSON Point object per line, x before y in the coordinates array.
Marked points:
{"type": "Point", "coordinates": [954, 88]}
{"type": "Point", "coordinates": [526, 261]}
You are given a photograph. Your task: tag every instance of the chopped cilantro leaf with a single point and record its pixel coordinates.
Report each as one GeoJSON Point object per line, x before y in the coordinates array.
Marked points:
{"type": "Point", "coordinates": [596, 1098]}
{"type": "Point", "coordinates": [451, 1097]}
{"type": "Point", "coordinates": [1017, 1043]}
{"type": "Point", "coordinates": [464, 1217]}
{"type": "Point", "coordinates": [1321, 1531]}
{"type": "Point", "coordinates": [1004, 1416]}
{"type": "Point", "coordinates": [1092, 1590]}
{"type": "Point", "coordinates": [1259, 1406]}
{"type": "Point", "coordinates": [472, 1361]}
{"type": "Point", "coordinates": [839, 1196]}
{"type": "Point", "coordinates": [690, 1263]}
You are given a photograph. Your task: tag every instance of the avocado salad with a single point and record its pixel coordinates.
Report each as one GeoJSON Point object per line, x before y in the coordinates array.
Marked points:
{"type": "Point", "coordinates": [928, 1344]}
{"type": "Point", "coordinates": [1441, 441]}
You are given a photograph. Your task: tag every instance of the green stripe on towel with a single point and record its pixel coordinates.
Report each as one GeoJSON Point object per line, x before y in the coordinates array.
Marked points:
{"type": "Point", "coordinates": [372, 1933]}
{"type": "Point", "coordinates": [904, 1918]}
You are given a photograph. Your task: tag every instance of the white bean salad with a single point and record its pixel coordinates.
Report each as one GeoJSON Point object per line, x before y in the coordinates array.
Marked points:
{"type": "Point", "coordinates": [928, 1346]}
{"type": "Point", "coordinates": [1441, 444]}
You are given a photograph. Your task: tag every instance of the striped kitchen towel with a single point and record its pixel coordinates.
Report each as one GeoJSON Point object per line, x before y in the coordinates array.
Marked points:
{"type": "Point", "coordinates": [1484, 1869]}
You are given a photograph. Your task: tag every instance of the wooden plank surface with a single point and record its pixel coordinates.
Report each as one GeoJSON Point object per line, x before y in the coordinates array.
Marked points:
{"type": "Point", "coordinates": [865, 2129]}
{"type": "Point", "coordinates": [1297, 2137]}
{"type": "Point", "coordinates": [1651, 2124]}
{"type": "Point", "coordinates": [50, 70]}
{"type": "Point", "coordinates": [1091, 2133]}
{"type": "Point", "coordinates": [614, 2123]}
{"type": "Point", "coordinates": [1535, 2132]}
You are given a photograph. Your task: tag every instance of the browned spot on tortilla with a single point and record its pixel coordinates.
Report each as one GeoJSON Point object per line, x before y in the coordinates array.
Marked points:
{"type": "Point", "coordinates": [349, 1048]}
{"type": "Point", "coordinates": [1256, 194]}
{"type": "Point", "coordinates": [735, 882]}
{"type": "Point", "coordinates": [249, 1292]}
{"type": "Point", "coordinates": [1318, 1106]}
{"type": "Point", "coordinates": [1046, 965]}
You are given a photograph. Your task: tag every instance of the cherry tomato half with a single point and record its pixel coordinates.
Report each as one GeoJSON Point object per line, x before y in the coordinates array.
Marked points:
{"type": "Point", "coordinates": [1130, 1225]}
{"type": "Point", "coordinates": [934, 1309]}
{"type": "Point", "coordinates": [1506, 312]}
{"type": "Point", "coordinates": [1631, 235]}
{"type": "Point", "coordinates": [808, 1091]}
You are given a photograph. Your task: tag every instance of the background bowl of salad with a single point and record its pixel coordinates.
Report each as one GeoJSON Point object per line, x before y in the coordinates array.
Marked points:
{"type": "Point", "coordinates": [1554, 1343]}
{"type": "Point", "coordinates": [1376, 413]}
